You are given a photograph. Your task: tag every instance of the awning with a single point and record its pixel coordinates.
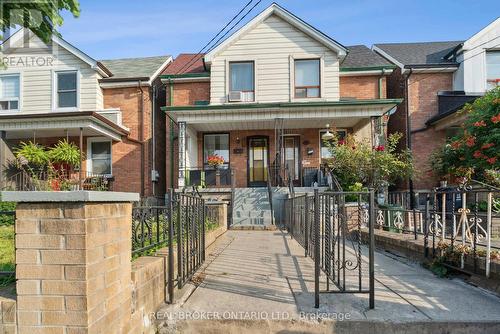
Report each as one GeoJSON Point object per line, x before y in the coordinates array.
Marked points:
{"type": "Point", "coordinates": [60, 124]}
{"type": "Point", "coordinates": [263, 115]}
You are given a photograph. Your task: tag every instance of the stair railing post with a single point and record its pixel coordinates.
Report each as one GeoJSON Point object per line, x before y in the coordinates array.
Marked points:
{"type": "Point", "coordinates": [316, 248]}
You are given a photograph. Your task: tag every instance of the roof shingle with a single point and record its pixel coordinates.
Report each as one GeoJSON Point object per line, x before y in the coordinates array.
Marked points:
{"type": "Point", "coordinates": [361, 56]}
{"type": "Point", "coordinates": [425, 53]}
{"type": "Point", "coordinates": [186, 63]}
{"type": "Point", "coordinates": [130, 68]}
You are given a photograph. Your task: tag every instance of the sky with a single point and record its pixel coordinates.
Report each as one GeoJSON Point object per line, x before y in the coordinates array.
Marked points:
{"type": "Point", "coordinates": [108, 29]}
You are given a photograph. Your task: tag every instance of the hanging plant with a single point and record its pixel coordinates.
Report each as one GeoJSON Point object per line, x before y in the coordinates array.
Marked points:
{"type": "Point", "coordinates": [33, 153]}
{"type": "Point", "coordinates": [65, 152]}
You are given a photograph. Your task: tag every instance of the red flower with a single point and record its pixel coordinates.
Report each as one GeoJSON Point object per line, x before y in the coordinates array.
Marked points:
{"type": "Point", "coordinates": [480, 124]}
{"type": "Point", "coordinates": [341, 142]}
{"type": "Point", "coordinates": [471, 141]}
{"type": "Point", "coordinates": [495, 119]}
{"type": "Point", "coordinates": [491, 161]}
{"type": "Point", "coordinates": [215, 160]}
{"type": "Point", "coordinates": [456, 144]}
{"type": "Point", "coordinates": [379, 148]}
{"type": "Point", "coordinates": [487, 146]}
{"type": "Point", "coordinates": [477, 154]}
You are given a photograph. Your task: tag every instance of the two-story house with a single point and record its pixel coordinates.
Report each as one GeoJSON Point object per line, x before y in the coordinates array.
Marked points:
{"type": "Point", "coordinates": [436, 79]}
{"type": "Point", "coordinates": [108, 108]}
{"type": "Point", "coordinates": [271, 95]}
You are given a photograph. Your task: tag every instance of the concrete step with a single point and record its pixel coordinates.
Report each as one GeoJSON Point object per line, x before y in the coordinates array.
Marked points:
{"type": "Point", "coordinates": [251, 207]}
{"type": "Point", "coordinates": [252, 214]}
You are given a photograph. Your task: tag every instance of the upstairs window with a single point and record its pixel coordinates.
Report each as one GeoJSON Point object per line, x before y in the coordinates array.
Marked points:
{"type": "Point", "coordinates": [9, 92]}
{"type": "Point", "coordinates": [67, 90]}
{"type": "Point", "coordinates": [242, 79]}
{"type": "Point", "coordinates": [492, 69]}
{"type": "Point", "coordinates": [307, 78]}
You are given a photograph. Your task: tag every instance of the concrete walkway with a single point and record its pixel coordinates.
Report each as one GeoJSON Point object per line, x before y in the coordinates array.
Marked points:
{"type": "Point", "coordinates": [263, 275]}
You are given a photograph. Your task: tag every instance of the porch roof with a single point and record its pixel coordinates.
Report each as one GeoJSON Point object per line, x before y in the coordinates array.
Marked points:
{"type": "Point", "coordinates": [297, 114]}
{"type": "Point", "coordinates": [60, 124]}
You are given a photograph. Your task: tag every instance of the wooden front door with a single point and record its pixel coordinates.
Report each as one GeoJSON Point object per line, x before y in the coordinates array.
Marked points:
{"type": "Point", "coordinates": [258, 156]}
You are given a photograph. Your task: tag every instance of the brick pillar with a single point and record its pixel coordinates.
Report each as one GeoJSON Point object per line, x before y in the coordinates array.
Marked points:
{"type": "Point", "coordinates": [73, 257]}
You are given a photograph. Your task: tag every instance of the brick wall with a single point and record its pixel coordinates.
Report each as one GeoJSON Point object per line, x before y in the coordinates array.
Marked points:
{"type": "Point", "coordinates": [187, 93]}
{"type": "Point", "coordinates": [362, 87]}
{"type": "Point", "coordinates": [73, 265]}
{"type": "Point", "coordinates": [130, 163]}
{"type": "Point", "coordinates": [423, 104]}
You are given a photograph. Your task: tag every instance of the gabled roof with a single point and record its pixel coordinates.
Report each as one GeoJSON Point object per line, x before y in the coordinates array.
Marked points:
{"type": "Point", "coordinates": [360, 56]}
{"type": "Point", "coordinates": [186, 63]}
{"type": "Point", "coordinates": [145, 68]}
{"type": "Point", "coordinates": [425, 54]}
{"type": "Point", "coordinates": [18, 35]}
{"type": "Point", "coordinates": [275, 9]}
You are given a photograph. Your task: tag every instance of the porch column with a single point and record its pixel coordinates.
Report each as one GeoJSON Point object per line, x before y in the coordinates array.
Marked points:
{"type": "Point", "coordinates": [182, 154]}
{"type": "Point", "coordinates": [378, 130]}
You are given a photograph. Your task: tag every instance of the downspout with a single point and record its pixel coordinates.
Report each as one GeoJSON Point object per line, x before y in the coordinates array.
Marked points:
{"type": "Point", "coordinates": [408, 133]}
{"type": "Point", "coordinates": [154, 93]}
{"type": "Point", "coordinates": [141, 137]}
{"type": "Point", "coordinates": [170, 103]}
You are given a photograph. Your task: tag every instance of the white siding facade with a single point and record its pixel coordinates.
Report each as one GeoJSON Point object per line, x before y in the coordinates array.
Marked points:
{"type": "Point", "coordinates": [471, 75]}
{"type": "Point", "coordinates": [37, 75]}
{"type": "Point", "coordinates": [272, 45]}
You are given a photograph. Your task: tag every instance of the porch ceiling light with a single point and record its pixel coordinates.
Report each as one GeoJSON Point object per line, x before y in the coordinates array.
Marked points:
{"type": "Point", "coordinates": [327, 135]}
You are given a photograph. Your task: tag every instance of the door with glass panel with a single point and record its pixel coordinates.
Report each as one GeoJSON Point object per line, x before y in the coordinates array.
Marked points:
{"type": "Point", "coordinates": [291, 154]}
{"type": "Point", "coordinates": [258, 155]}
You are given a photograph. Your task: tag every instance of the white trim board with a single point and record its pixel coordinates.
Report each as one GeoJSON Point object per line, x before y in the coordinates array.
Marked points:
{"type": "Point", "coordinates": [275, 9]}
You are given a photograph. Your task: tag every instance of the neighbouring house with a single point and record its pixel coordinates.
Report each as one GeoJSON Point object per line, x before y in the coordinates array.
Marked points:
{"type": "Point", "coordinates": [109, 109]}
{"type": "Point", "coordinates": [436, 79]}
{"type": "Point", "coordinates": [263, 99]}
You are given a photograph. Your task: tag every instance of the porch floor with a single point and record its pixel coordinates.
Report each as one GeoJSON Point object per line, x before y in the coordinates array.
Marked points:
{"type": "Point", "coordinates": [266, 272]}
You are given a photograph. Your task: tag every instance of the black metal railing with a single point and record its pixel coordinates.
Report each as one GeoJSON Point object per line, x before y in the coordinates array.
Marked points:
{"type": "Point", "coordinates": [270, 193]}
{"type": "Point", "coordinates": [57, 180]}
{"type": "Point", "coordinates": [180, 226]}
{"type": "Point", "coordinates": [209, 177]}
{"type": "Point", "coordinates": [330, 231]}
{"type": "Point", "coordinates": [460, 225]}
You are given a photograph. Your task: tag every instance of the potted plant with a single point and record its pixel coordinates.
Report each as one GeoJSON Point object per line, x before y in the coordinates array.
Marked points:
{"type": "Point", "coordinates": [215, 161]}
{"type": "Point", "coordinates": [64, 155]}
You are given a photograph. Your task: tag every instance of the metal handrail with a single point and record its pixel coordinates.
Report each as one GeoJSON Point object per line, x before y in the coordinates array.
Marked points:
{"type": "Point", "coordinates": [270, 194]}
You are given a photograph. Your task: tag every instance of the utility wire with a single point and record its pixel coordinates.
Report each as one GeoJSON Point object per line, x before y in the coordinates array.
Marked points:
{"type": "Point", "coordinates": [194, 58]}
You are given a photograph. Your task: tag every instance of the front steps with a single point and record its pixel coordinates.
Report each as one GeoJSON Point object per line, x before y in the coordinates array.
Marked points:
{"type": "Point", "coordinates": [251, 209]}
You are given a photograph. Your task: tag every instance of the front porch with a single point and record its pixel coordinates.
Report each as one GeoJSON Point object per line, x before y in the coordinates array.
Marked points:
{"type": "Point", "coordinates": [93, 133]}
{"type": "Point", "coordinates": [257, 142]}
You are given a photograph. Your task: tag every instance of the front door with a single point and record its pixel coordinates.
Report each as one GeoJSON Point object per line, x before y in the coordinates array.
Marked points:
{"type": "Point", "coordinates": [292, 157]}
{"type": "Point", "coordinates": [258, 148]}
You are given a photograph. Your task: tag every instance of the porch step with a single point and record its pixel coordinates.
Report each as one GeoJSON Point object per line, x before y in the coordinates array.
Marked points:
{"type": "Point", "coordinates": [251, 208]}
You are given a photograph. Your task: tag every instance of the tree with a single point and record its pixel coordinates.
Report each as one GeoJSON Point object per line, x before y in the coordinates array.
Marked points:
{"type": "Point", "coordinates": [475, 153]}
{"type": "Point", "coordinates": [41, 17]}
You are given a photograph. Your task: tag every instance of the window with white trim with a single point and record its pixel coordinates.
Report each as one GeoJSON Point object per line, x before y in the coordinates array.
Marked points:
{"type": "Point", "coordinates": [100, 157]}
{"type": "Point", "coordinates": [66, 89]}
{"type": "Point", "coordinates": [492, 69]}
{"type": "Point", "coordinates": [307, 78]}
{"type": "Point", "coordinates": [9, 92]}
{"type": "Point", "coordinates": [242, 79]}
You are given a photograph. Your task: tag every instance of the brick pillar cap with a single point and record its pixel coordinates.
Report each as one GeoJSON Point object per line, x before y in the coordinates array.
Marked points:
{"type": "Point", "coordinates": [68, 196]}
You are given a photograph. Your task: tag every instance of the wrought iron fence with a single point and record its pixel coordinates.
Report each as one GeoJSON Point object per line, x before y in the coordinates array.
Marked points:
{"type": "Point", "coordinates": [57, 180]}
{"type": "Point", "coordinates": [329, 230]}
{"type": "Point", "coordinates": [180, 226]}
{"type": "Point", "coordinates": [456, 225]}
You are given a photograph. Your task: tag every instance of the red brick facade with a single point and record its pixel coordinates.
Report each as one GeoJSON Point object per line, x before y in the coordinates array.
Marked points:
{"type": "Point", "coordinates": [132, 157]}
{"type": "Point", "coordinates": [423, 104]}
{"type": "Point", "coordinates": [362, 87]}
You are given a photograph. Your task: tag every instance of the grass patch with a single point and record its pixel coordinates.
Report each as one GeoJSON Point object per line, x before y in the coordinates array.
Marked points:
{"type": "Point", "coordinates": [7, 250]}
